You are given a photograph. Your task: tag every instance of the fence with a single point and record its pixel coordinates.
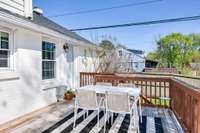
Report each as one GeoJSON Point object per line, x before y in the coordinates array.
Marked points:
{"type": "Point", "coordinates": [158, 91]}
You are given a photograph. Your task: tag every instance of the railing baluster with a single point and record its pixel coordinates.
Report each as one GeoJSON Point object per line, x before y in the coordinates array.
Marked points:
{"type": "Point", "coordinates": [185, 100]}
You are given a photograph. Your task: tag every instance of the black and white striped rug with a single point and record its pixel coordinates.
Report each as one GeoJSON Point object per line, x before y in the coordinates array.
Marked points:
{"type": "Point", "coordinates": [121, 124]}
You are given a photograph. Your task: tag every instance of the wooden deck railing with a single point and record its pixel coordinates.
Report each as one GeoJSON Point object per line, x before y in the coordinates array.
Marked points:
{"type": "Point", "coordinates": [186, 105]}
{"type": "Point", "coordinates": [87, 78]}
{"type": "Point", "coordinates": [156, 91]}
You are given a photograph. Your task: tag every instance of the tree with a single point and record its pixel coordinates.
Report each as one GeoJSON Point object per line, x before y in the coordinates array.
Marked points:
{"type": "Point", "coordinates": [152, 56]}
{"type": "Point", "coordinates": [195, 41]}
{"type": "Point", "coordinates": [196, 57]}
{"type": "Point", "coordinates": [106, 57]}
{"type": "Point", "coordinates": [174, 50]}
{"type": "Point", "coordinates": [107, 45]}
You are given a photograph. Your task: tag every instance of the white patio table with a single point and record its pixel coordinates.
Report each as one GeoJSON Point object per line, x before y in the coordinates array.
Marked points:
{"type": "Point", "coordinates": [101, 89]}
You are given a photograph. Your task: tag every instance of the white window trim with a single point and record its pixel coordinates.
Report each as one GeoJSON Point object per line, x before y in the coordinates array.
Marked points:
{"type": "Point", "coordinates": [51, 40]}
{"type": "Point", "coordinates": [10, 49]}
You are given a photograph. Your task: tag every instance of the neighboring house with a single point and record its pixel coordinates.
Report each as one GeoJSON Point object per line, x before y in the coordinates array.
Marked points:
{"type": "Point", "coordinates": [130, 60]}
{"type": "Point", "coordinates": [195, 68]}
{"type": "Point", "coordinates": [36, 55]}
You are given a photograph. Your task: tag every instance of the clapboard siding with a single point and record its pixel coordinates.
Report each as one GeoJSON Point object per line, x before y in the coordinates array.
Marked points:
{"type": "Point", "coordinates": [16, 6]}
{"type": "Point", "coordinates": [21, 2]}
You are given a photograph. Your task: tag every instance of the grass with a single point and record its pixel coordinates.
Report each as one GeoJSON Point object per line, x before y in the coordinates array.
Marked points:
{"type": "Point", "coordinates": [159, 102]}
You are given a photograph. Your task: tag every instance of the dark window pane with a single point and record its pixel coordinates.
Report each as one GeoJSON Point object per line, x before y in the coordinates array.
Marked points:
{"type": "Point", "coordinates": [3, 63]}
{"type": "Point", "coordinates": [4, 36]}
{"type": "Point", "coordinates": [4, 40]}
{"type": "Point", "coordinates": [48, 64]}
{"type": "Point", "coordinates": [4, 44]}
{"type": "Point", "coordinates": [48, 46]}
{"type": "Point", "coordinates": [3, 54]}
{"type": "Point", "coordinates": [48, 69]}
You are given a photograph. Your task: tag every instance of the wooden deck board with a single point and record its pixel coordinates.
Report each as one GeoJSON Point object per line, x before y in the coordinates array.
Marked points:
{"type": "Point", "coordinates": [58, 112]}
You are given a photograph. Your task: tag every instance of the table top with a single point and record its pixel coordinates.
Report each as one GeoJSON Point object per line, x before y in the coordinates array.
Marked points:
{"type": "Point", "coordinates": [103, 89]}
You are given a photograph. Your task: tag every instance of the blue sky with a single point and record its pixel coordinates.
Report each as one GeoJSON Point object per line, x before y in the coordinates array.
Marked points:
{"type": "Point", "coordinates": [140, 37]}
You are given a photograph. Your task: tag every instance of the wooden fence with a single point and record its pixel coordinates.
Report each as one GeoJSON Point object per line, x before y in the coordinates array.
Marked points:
{"type": "Point", "coordinates": [184, 100]}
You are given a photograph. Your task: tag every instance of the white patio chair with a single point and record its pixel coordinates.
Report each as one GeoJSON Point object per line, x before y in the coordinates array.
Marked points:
{"type": "Point", "coordinates": [132, 86]}
{"type": "Point", "coordinates": [87, 100]}
{"type": "Point", "coordinates": [119, 102]}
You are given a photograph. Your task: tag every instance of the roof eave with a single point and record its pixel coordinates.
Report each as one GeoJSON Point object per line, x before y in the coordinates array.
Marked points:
{"type": "Point", "coordinates": [38, 28]}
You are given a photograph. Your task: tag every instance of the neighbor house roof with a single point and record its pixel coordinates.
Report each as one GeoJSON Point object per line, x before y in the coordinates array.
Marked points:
{"type": "Point", "coordinates": [136, 51]}
{"type": "Point", "coordinates": [47, 23]}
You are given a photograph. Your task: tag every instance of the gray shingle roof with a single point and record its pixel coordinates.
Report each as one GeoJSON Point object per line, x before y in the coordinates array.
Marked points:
{"type": "Point", "coordinates": [136, 51]}
{"type": "Point", "coordinates": [47, 23]}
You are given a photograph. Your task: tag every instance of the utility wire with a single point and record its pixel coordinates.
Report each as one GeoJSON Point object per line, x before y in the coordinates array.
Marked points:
{"type": "Point", "coordinates": [104, 9]}
{"type": "Point", "coordinates": [142, 23]}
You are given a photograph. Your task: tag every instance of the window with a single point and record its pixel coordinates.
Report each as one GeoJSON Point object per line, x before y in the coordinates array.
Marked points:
{"type": "Point", "coordinates": [85, 53]}
{"type": "Point", "coordinates": [4, 50]}
{"type": "Point", "coordinates": [120, 53]}
{"type": "Point", "coordinates": [48, 60]}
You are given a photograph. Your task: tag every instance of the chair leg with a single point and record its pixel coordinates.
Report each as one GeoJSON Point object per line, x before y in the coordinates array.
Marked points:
{"type": "Point", "coordinates": [138, 129]}
{"type": "Point", "coordinates": [75, 114]}
{"type": "Point", "coordinates": [84, 114]}
{"type": "Point", "coordinates": [140, 110]}
{"type": "Point", "coordinates": [131, 120]}
{"type": "Point", "coordinates": [135, 116]}
{"type": "Point", "coordinates": [138, 119]}
{"type": "Point", "coordinates": [98, 119]}
{"type": "Point", "coordinates": [87, 113]}
{"type": "Point", "coordinates": [111, 118]}
{"type": "Point", "coordinates": [105, 122]}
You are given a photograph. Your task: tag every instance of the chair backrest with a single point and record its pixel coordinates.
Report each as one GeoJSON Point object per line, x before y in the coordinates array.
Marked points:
{"type": "Point", "coordinates": [126, 85]}
{"type": "Point", "coordinates": [86, 99]}
{"type": "Point", "coordinates": [104, 83]}
{"type": "Point", "coordinates": [117, 102]}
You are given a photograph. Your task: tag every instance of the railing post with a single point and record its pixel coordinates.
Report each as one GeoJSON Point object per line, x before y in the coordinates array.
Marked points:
{"type": "Point", "coordinates": [196, 128]}
{"type": "Point", "coordinates": [171, 92]}
{"type": "Point", "coordinates": [80, 79]}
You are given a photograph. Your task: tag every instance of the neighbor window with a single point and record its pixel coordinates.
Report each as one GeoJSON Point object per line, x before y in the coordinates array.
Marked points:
{"type": "Point", "coordinates": [4, 50]}
{"type": "Point", "coordinates": [120, 52]}
{"type": "Point", "coordinates": [48, 60]}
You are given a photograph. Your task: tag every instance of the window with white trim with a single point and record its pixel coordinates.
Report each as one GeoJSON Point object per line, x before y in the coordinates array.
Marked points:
{"type": "Point", "coordinates": [120, 53]}
{"type": "Point", "coordinates": [4, 50]}
{"type": "Point", "coordinates": [48, 60]}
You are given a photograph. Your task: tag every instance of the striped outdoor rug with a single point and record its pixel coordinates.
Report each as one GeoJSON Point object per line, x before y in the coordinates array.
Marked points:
{"type": "Point", "coordinates": [121, 124]}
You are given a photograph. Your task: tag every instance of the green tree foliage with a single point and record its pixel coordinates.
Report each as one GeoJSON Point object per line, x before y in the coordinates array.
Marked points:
{"type": "Point", "coordinates": [195, 41]}
{"type": "Point", "coordinates": [173, 51]}
{"type": "Point", "coordinates": [152, 56]}
{"type": "Point", "coordinates": [196, 46]}
{"type": "Point", "coordinates": [107, 45]}
{"type": "Point", "coordinates": [196, 57]}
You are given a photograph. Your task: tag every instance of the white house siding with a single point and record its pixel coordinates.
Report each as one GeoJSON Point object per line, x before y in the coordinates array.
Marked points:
{"type": "Point", "coordinates": [127, 57]}
{"type": "Point", "coordinates": [22, 7]}
{"type": "Point", "coordinates": [29, 92]}
{"type": "Point", "coordinates": [16, 6]}
{"type": "Point", "coordinates": [82, 64]}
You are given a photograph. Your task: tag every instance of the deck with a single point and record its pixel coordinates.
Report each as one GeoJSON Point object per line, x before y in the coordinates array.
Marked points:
{"type": "Point", "coordinates": [59, 119]}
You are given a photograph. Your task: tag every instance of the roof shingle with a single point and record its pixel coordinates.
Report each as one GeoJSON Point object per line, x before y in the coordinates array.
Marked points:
{"type": "Point", "coordinates": [47, 23]}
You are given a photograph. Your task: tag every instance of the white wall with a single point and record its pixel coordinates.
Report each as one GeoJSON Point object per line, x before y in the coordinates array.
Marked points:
{"type": "Point", "coordinates": [82, 64]}
{"type": "Point", "coordinates": [29, 92]}
{"type": "Point", "coordinates": [22, 7]}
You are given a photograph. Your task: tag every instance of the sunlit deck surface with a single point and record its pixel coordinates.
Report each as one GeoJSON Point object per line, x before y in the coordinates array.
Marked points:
{"type": "Point", "coordinates": [59, 119]}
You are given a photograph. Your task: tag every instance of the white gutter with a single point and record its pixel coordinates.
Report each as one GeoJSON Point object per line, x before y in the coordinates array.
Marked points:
{"type": "Point", "coordinates": [37, 28]}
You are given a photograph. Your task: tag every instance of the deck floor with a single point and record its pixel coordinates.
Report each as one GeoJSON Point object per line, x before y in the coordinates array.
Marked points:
{"type": "Point", "coordinates": [55, 121]}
